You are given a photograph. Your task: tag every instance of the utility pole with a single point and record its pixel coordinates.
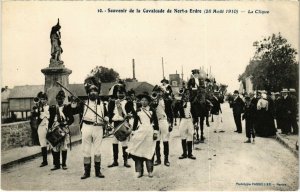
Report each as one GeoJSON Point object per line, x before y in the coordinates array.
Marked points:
{"type": "Point", "coordinates": [163, 69]}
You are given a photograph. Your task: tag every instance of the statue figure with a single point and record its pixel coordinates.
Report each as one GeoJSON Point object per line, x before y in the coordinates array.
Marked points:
{"type": "Point", "coordinates": [56, 49]}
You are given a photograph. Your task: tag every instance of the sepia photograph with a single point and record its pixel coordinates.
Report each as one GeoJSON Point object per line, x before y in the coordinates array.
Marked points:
{"type": "Point", "coordinates": [149, 95]}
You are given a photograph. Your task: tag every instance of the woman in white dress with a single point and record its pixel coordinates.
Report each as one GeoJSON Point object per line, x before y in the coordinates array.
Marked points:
{"type": "Point", "coordinates": [141, 146]}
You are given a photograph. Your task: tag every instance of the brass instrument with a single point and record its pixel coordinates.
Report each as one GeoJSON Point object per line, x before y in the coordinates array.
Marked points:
{"type": "Point", "coordinates": [154, 95]}
{"type": "Point", "coordinates": [181, 91]}
{"type": "Point", "coordinates": [36, 100]}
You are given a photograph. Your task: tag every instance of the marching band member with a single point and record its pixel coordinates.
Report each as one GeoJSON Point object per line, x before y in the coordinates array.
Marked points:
{"type": "Point", "coordinates": [43, 111]}
{"type": "Point", "coordinates": [60, 115]}
{"type": "Point", "coordinates": [117, 113]}
{"type": "Point", "coordinates": [145, 132]}
{"type": "Point", "coordinates": [164, 134]}
{"type": "Point", "coordinates": [168, 97]}
{"type": "Point", "coordinates": [131, 105]}
{"type": "Point", "coordinates": [186, 127]}
{"type": "Point", "coordinates": [92, 127]}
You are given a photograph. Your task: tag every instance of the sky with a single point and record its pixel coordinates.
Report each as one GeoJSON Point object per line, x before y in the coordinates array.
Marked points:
{"type": "Point", "coordinates": [222, 42]}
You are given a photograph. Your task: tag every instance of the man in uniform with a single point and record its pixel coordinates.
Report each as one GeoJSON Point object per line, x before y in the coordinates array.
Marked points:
{"type": "Point", "coordinates": [168, 97]}
{"type": "Point", "coordinates": [186, 127]}
{"type": "Point", "coordinates": [164, 129]}
{"type": "Point", "coordinates": [92, 127]}
{"type": "Point", "coordinates": [43, 121]}
{"type": "Point", "coordinates": [196, 86]}
{"type": "Point", "coordinates": [117, 115]}
{"type": "Point", "coordinates": [60, 115]}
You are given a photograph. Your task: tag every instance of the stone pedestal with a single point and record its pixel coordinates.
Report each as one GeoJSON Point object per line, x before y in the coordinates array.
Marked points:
{"type": "Point", "coordinates": [55, 72]}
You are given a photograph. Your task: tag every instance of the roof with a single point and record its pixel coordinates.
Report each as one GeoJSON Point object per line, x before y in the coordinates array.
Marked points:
{"type": "Point", "coordinates": [5, 95]}
{"type": "Point", "coordinates": [30, 91]}
{"type": "Point", "coordinates": [25, 91]}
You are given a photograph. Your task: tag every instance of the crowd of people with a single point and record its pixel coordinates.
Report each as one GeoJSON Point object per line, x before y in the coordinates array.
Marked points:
{"type": "Point", "coordinates": [142, 123]}
{"type": "Point", "coordinates": [265, 112]}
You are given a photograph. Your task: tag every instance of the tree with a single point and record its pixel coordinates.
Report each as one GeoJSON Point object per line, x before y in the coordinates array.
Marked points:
{"type": "Point", "coordinates": [106, 75]}
{"type": "Point", "coordinates": [273, 65]}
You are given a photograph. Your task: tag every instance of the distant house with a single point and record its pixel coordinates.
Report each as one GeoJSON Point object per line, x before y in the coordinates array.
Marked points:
{"type": "Point", "coordinates": [5, 104]}
{"type": "Point", "coordinates": [19, 100]}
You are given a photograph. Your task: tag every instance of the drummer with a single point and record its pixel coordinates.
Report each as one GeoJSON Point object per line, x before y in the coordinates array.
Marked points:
{"type": "Point", "coordinates": [60, 115]}
{"type": "Point", "coordinates": [142, 144]}
{"type": "Point", "coordinates": [92, 127]}
{"type": "Point", "coordinates": [117, 115]}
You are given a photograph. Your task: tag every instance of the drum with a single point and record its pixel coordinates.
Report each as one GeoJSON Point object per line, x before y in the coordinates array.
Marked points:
{"type": "Point", "coordinates": [56, 135]}
{"type": "Point", "coordinates": [123, 131]}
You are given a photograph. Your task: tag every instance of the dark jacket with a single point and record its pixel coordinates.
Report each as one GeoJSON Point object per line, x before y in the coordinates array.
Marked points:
{"type": "Point", "coordinates": [250, 110]}
{"type": "Point", "coordinates": [216, 108]}
{"type": "Point", "coordinates": [192, 83]}
{"type": "Point", "coordinates": [287, 106]}
{"type": "Point", "coordinates": [181, 107]}
{"type": "Point", "coordinates": [238, 106]}
{"type": "Point", "coordinates": [54, 111]}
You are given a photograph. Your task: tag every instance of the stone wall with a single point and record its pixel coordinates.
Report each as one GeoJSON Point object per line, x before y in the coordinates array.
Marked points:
{"type": "Point", "coordinates": [15, 135]}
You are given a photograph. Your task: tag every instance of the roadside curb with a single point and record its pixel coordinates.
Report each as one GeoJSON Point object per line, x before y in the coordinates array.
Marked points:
{"type": "Point", "coordinates": [29, 157]}
{"type": "Point", "coordinates": [287, 145]}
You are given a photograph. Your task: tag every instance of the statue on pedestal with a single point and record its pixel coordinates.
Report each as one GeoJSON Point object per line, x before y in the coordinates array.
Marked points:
{"type": "Point", "coordinates": [56, 49]}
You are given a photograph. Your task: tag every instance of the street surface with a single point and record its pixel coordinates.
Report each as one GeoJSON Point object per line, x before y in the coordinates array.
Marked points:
{"type": "Point", "coordinates": [224, 162]}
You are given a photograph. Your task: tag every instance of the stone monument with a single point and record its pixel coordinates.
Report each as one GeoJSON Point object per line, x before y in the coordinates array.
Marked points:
{"type": "Point", "coordinates": [56, 70]}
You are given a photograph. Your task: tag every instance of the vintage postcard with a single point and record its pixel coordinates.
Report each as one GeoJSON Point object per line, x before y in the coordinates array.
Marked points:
{"type": "Point", "coordinates": [149, 95]}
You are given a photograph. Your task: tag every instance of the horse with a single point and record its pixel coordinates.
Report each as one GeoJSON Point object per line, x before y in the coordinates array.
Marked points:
{"type": "Point", "coordinates": [199, 110]}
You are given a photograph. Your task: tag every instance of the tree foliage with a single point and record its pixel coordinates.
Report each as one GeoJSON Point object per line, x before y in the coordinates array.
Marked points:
{"type": "Point", "coordinates": [106, 75]}
{"type": "Point", "coordinates": [273, 65]}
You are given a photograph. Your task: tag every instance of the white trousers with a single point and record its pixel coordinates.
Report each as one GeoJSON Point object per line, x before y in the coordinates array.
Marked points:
{"type": "Point", "coordinates": [186, 129]}
{"type": "Point", "coordinates": [164, 133]}
{"type": "Point", "coordinates": [91, 136]}
{"type": "Point", "coordinates": [42, 132]}
{"type": "Point", "coordinates": [217, 124]}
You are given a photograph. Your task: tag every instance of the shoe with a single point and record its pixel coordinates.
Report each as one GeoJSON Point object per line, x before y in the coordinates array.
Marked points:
{"type": "Point", "coordinates": [97, 170]}
{"type": "Point", "coordinates": [55, 168]}
{"type": "Point", "coordinates": [240, 132]}
{"type": "Point", "coordinates": [150, 174]}
{"type": "Point", "coordinates": [221, 131]}
{"type": "Point", "coordinates": [139, 175]}
{"type": "Point", "coordinates": [236, 131]}
{"type": "Point", "coordinates": [114, 164]}
{"type": "Point", "coordinates": [43, 164]}
{"type": "Point", "coordinates": [166, 162]}
{"type": "Point", "coordinates": [157, 162]}
{"type": "Point", "coordinates": [191, 157]}
{"type": "Point", "coordinates": [248, 141]}
{"type": "Point", "coordinates": [183, 156]}
{"type": "Point", "coordinates": [87, 171]}
{"type": "Point", "coordinates": [253, 141]}
{"type": "Point", "coordinates": [64, 167]}
{"type": "Point", "coordinates": [126, 164]}
{"type": "Point", "coordinates": [215, 131]}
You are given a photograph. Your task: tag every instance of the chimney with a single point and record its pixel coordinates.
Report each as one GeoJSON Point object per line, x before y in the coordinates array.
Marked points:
{"type": "Point", "coordinates": [133, 69]}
